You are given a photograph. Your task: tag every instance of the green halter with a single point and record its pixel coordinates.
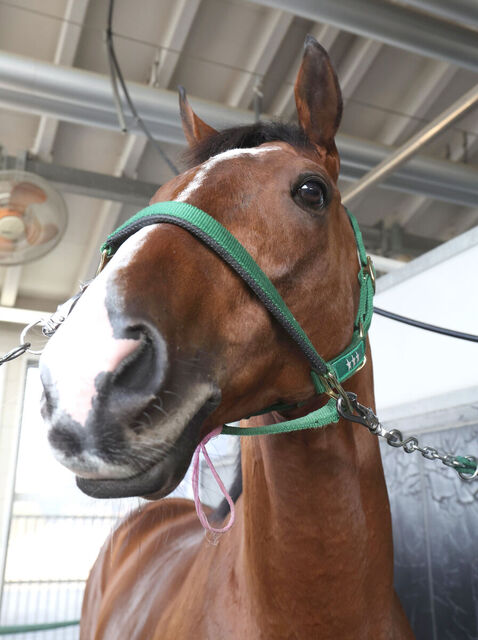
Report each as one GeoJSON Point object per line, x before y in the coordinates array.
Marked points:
{"type": "Point", "coordinates": [327, 376]}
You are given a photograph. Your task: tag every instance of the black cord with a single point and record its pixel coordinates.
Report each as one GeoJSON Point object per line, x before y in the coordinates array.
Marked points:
{"type": "Point", "coordinates": [426, 326]}
{"type": "Point", "coordinates": [15, 353]}
{"type": "Point", "coordinates": [117, 76]}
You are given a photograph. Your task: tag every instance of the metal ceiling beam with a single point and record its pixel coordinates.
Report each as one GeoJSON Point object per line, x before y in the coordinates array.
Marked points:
{"type": "Point", "coordinates": [420, 95]}
{"type": "Point", "coordinates": [396, 240]}
{"type": "Point", "coordinates": [462, 11]}
{"type": "Point", "coordinates": [176, 35]}
{"type": "Point", "coordinates": [65, 54]}
{"type": "Point", "coordinates": [88, 183]}
{"type": "Point", "coordinates": [66, 48]}
{"type": "Point", "coordinates": [412, 146]}
{"type": "Point", "coordinates": [85, 97]}
{"type": "Point", "coordinates": [391, 24]}
{"type": "Point", "coordinates": [386, 264]}
{"type": "Point", "coordinates": [20, 316]}
{"type": "Point", "coordinates": [107, 217]}
{"type": "Point", "coordinates": [163, 69]}
{"type": "Point", "coordinates": [81, 96]}
{"type": "Point", "coordinates": [260, 59]}
{"type": "Point", "coordinates": [416, 206]}
{"type": "Point", "coordinates": [10, 285]}
{"type": "Point", "coordinates": [356, 63]}
{"type": "Point", "coordinates": [461, 244]}
{"type": "Point", "coordinates": [437, 179]}
{"type": "Point", "coordinates": [137, 193]}
{"type": "Point", "coordinates": [426, 87]}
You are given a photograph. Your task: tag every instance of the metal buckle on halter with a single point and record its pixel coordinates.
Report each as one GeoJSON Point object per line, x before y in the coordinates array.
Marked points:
{"type": "Point", "coordinates": [103, 260]}
{"type": "Point", "coordinates": [370, 269]}
{"type": "Point", "coordinates": [50, 324]}
{"type": "Point", "coordinates": [334, 389]}
{"type": "Point", "coordinates": [359, 413]}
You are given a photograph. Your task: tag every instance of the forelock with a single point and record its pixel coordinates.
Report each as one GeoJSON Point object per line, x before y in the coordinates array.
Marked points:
{"type": "Point", "coordinates": [246, 137]}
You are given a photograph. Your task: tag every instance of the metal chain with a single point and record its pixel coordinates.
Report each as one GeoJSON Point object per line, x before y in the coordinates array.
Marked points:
{"type": "Point", "coordinates": [366, 417]}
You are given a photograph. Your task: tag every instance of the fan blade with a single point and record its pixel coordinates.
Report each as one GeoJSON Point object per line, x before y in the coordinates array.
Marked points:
{"type": "Point", "coordinates": [36, 234]}
{"type": "Point", "coordinates": [25, 194]}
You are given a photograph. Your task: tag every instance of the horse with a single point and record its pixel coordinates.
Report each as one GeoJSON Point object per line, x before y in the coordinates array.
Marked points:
{"type": "Point", "coordinates": [167, 342]}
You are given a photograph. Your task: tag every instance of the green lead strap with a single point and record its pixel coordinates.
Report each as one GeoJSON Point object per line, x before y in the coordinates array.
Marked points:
{"type": "Point", "coordinates": [314, 420]}
{"type": "Point", "coordinates": [32, 628]}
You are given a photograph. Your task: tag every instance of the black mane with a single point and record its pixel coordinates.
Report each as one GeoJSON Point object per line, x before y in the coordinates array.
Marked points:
{"type": "Point", "coordinates": [247, 136]}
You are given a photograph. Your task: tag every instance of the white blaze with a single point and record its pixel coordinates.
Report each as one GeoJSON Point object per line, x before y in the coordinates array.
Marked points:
{"type": "Point", "coordinates": [84, 345]}
{"type": "Point", "coordinates": [204, 169]}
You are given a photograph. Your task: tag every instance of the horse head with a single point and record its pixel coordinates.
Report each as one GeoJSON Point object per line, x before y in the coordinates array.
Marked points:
{"type": "Point", "coordinates": [167, 342]}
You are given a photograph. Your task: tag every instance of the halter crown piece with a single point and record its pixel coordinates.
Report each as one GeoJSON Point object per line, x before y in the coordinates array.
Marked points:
{"type": "Point", "coordinates": [326, 376]}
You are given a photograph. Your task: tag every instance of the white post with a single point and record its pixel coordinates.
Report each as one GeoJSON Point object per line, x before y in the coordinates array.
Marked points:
{"type": "Point", "coordinates": [12, 376]}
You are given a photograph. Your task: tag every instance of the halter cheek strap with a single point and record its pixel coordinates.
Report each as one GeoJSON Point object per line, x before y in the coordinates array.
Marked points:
{"type": "Point", "coordinates": [327, 376]}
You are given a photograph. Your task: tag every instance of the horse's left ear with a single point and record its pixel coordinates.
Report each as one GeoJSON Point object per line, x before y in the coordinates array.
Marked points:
{"type": "Point", "coordinates": [318, 97]}
{"type": "Point", "coordinates": [194, 128]}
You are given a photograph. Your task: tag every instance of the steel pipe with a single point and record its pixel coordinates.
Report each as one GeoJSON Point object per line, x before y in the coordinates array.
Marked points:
{"type": "Point", "coordinates": [83, 97]}
{"type": "Point", "coordinates": [385, 265]}
{"type": "Point", "coordinates": [15, 315]}
{"type": "Point", "coordinates": [463, 11]}
{"type": "Point", "coordinates": [432, 177]}
{"type": "Point", "coordinates": [391, 24]}
{"type": "Point", "coordinates": [412, 146]}
{"type": "Point", "coordinates": [75, 90]}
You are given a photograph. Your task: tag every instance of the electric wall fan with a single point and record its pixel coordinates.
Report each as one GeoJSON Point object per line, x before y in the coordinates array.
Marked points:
{"type": "Point", "coordinates": [33, 217]}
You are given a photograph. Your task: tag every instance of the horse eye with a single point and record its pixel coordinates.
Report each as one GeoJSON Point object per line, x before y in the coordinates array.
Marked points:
{"type": "Point", "coordinates": [312, 193]}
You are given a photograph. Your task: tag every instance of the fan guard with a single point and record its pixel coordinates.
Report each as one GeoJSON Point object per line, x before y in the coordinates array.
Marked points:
{"type": "Point", "coordinates": [33, 217]}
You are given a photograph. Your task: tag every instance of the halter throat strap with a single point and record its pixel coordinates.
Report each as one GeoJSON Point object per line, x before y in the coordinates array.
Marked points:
{"type": "Point", "coordinates": [327, 376]}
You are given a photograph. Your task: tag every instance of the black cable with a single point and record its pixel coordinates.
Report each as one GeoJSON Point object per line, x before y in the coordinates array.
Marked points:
{"type": "Point", "coordinates": [424, 325]}
{"type": "Point", "coordinates": [15, 353]}
{"type": "Point", "coordinates": [114, 86]}
{"type": "Point", "coordinates": [116, 75]}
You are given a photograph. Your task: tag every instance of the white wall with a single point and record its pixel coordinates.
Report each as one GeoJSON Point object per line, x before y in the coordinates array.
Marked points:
{"type": "Point", "coordinates": [412, 365]}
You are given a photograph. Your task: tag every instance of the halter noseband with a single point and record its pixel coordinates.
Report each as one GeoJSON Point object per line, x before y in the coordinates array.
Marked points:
{"type": "Point", "coordinates": [327, 376]}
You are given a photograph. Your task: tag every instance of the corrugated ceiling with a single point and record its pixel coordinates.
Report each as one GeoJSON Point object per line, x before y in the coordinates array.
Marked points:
{"type": "Point", "coordinates": [219, 49]}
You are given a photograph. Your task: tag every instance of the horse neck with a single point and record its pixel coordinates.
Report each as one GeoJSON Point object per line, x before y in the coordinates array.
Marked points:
{"type": "Point", "coordinates": [316, 525]}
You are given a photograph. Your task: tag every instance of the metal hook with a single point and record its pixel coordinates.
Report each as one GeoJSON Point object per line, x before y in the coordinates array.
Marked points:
{"type": "Point", "coordinates": [360, 414]}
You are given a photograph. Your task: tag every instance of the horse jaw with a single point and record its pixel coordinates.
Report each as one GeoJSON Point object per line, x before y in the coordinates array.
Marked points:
{"type": "Point", "coordinates": [163, 476]}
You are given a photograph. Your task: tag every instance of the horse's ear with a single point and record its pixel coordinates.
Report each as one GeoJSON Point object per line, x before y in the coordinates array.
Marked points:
{"type": "Point", "coordinates": [318, 97]}
{"type": "Point", "coordinates": [194, 128]}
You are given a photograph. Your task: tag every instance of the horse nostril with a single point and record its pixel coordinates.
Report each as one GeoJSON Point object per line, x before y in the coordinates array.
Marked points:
{"type": "Point", "coordinates": [143, 369]}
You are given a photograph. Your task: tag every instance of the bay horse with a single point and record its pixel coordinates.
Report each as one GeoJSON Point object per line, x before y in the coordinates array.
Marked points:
{"type": "Point", "coordinates": [167, 342]}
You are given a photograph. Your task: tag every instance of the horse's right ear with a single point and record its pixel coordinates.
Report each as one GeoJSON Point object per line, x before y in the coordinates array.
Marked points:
{"type": "Point", "coordinates": [318, 97]}
{"type": "Point", "coordinates": [194, 128]}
